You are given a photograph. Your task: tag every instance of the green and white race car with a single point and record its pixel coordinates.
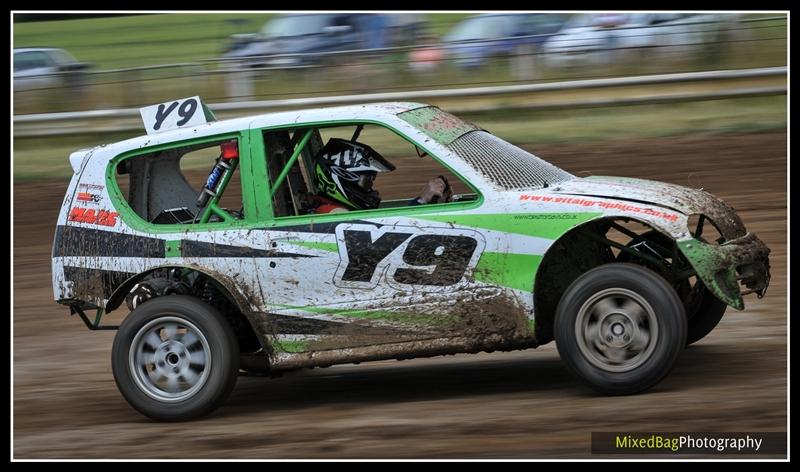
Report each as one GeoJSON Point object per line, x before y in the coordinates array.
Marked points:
{"type": "Point", "coordinates": [233, 270]}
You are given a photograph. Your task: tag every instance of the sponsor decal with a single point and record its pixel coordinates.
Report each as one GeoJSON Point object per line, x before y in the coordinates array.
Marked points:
{"type": "Point", "coordinates": [89, 187]}
{"type": "Point", "coordinates": [549, 216]}
{"type": "Point", "coordinates": [92, 216]}
{"type": "Point", "coordinates": [87, 197]}
{"type": "Point", "coordinates": [406, 257]}
{"type": "Point", "coordinates": [602, 204]}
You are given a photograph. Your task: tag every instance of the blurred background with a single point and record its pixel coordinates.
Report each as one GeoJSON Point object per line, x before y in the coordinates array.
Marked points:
{"type": "Point", "coordinates": [695, 99]}
{"type": "Point", "coordinates": [467, 63]}
{"type": "Point", "coordinates": [67, 63]}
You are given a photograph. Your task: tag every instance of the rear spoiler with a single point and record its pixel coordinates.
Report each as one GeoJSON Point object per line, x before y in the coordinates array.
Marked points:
{"type": "Point", "coordinates": [76, 159]}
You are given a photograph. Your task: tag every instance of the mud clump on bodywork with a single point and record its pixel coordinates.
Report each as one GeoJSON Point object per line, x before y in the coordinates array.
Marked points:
{"type": "Point", "coordinates": [498, 322]}
{"type": "Point", "coordinates": [87, 285]}
{"type": "Point", "coordinates": [359, 334]}
{"type": "Point", "coordinates": [471, 324]}
{"type": "Point", "coordinates": [723, 216]}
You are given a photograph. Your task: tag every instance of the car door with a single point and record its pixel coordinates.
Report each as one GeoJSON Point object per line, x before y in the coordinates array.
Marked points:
{"type": "Point", "coordinates": [395, 272]}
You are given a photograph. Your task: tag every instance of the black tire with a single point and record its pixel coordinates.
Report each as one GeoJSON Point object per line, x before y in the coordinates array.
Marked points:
{"type": "Point", "coordinates": [703, 310]}
{"type": "Point", "coordinates": [623, 300]}
{"type": "Point", "coordinates": [706, 317]}
{"type": "Point", "coordinates": [192, 370]}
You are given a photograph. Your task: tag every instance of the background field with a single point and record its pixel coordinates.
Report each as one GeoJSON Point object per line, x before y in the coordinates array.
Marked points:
{"type": "Point", "coordinates": [46, 158]}
{"type": "Point", "coordinates": [159, 38]}
{"type": "Point", "coordinates": [191, 42]}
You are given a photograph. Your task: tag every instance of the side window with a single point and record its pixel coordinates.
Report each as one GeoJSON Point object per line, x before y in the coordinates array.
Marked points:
{"type": "Point", "coordinates": [661, 18]}
{"type": "Point", "coordinates": [196, 183]}
{"type": "Point", "coordinates": [31, 60]}
{"type": "Point", "coordinates": [353, 167]}
{"type": "Point", "coordinates": [348, 22]}
{"type": "Point", "coordinates": [289, 194]}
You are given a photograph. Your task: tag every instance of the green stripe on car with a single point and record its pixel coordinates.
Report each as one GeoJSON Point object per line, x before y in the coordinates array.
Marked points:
{"type": "Point", "coordinates": [541, 225]}
{"type": "Point", "coordinates": [508, 270]}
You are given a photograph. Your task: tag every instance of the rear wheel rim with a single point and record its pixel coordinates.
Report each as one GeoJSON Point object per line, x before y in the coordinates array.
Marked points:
{"type": "Point", "coordinates": [170, 359]}
{"type": "Point", "coordinates": [616, 330]}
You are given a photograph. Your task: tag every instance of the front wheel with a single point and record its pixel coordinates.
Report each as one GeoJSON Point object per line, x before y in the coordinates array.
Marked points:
{"type": "Point", "coordinates": [703, 310]}
{"type": "Point", "coordinates": [620, 328]}
{"type": "Point", "coordinates": [175, 358]}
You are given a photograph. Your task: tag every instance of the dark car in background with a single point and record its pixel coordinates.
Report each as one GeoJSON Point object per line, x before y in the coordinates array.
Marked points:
{"type": "Point", "coordinates": [473, 41]}
{"type": "Point", "coordinates": [297, 40]}
{"type": "Point", "coordinates": [36, 68]}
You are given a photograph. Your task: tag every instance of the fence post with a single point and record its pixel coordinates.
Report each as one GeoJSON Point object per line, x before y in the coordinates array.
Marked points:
{"type": "Point", "coordinates": [522, 65]}
{"type": "Point", "coordinates": [239, 84]}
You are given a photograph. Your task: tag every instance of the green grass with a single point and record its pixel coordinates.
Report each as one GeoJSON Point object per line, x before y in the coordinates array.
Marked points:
{"type": "Point", "coordinates": [139, 40]}
{"type": "Point", "coordinates": [46, 158]}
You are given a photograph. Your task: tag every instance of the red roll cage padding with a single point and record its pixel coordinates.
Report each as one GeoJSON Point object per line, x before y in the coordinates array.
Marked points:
{"type": "Point", "coordinates": [230, 150]}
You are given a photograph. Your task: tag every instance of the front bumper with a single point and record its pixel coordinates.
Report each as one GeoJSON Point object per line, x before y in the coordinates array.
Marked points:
{"type": "Point", "coordinates": [734, 268]}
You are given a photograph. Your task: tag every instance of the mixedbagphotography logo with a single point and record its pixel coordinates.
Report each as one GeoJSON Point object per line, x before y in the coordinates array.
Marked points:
{"type": "Point", "coordinates": [680, 443]}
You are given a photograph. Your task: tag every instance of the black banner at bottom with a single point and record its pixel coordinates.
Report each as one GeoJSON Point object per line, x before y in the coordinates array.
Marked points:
{"type": "Point", "coordinates": [683, 443]}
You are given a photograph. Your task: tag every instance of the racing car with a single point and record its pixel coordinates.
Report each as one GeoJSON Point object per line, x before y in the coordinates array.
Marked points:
{"type": "Point", "coordinates": [234, 272]}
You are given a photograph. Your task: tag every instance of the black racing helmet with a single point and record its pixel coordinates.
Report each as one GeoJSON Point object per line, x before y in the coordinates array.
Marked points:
{"type": "Point", "coordinates": [345, 171]}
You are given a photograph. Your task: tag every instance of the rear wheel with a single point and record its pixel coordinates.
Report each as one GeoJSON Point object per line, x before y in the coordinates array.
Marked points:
{"type": "Point", "coordinates": [175, 358]}
{"type": "Point", "coordinates": [620, 328]}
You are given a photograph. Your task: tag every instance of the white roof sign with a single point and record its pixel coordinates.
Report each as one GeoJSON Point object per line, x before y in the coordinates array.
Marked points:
{"type": "Point", "coordinates": [182, 113]}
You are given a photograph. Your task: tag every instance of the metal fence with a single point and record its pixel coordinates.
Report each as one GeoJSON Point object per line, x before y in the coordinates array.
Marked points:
{"type": "Point", "coordinates": [117, 120]}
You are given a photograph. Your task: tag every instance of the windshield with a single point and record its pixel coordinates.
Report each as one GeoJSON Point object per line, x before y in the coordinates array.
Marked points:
{"type": "Point", "coordinates": [482, 27]}
{"type": "Point", "coordinates": [295, 25]}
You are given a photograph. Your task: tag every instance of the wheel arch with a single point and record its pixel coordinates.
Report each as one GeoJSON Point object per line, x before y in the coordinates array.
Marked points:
{"type": "Point", "coordinates": [229, 286]}
{"type": "Point", "coordinates": [245, 320]}
{"type": "Point", "coordinates": [556, 272]}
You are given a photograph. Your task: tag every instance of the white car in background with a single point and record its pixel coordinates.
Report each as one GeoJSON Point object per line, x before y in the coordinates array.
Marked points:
{"type": "Point", "coordinates": [597, 39]}
{"type": "Point", "coordinates": [36, 68]}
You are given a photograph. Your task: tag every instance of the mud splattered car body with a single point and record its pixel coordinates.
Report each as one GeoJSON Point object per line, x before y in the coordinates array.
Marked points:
{"type": "Point", "coordinates": [490, 270]}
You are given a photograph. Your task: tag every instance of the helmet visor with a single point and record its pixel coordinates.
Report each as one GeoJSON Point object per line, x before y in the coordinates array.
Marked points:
{"type": "Point", "coordinates": [365, 181]}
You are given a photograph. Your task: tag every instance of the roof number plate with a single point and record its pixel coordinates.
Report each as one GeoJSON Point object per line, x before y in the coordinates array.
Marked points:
{"type": "Point", "coordinates": [182, 113]}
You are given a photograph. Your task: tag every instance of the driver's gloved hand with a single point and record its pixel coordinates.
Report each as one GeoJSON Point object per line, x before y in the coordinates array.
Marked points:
{"type": "Point", "coordinates": [435, 191]}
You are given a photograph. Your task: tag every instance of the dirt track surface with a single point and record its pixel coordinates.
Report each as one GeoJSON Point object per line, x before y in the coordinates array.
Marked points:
{"type": "Point", "coordinates": [502, 405]}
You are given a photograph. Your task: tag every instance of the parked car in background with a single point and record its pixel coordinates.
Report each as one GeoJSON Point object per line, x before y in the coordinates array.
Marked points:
{"type": "Point", "coordinates": [473, 41]}
{"type": "Point", "coordinates": [47, 67]}
{"type": "Point", "coordinates": [595, 39]}
{"type": "Point", "coordinates": [296, 40]}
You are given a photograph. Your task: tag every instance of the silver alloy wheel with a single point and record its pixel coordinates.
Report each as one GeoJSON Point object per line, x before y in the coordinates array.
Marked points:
{"type": "Point", "coordinates": [170, 359]}
{"type": "Point", "coordinates": [616, 330]}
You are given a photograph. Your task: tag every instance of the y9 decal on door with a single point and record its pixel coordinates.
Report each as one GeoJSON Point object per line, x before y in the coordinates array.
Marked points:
{"type": "Point", "coordinates": [406, 257]}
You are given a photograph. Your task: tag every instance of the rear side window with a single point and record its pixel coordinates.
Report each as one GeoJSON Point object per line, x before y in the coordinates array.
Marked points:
{"type": "Point", "coordinates": [181, 185]}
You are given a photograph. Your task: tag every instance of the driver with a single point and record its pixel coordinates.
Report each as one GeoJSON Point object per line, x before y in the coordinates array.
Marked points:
{"type": "Point", "coordinates": [345, 172]}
